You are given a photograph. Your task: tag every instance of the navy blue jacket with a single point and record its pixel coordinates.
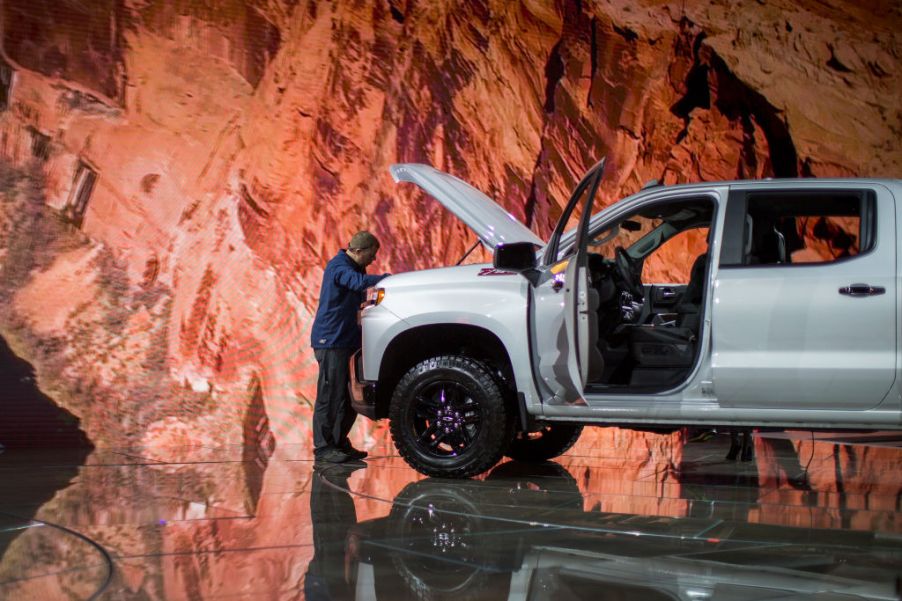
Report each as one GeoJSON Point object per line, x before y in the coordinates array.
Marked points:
{"type": "Point", "coordinates": [344, 283]}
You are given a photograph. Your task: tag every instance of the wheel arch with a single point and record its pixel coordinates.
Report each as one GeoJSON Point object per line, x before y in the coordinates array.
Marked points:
{"type": "Point", "coordinates": [423, 342]}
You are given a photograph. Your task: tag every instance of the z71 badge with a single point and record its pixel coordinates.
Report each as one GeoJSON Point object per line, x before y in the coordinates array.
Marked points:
{"type": "Point", "coordinates": [493, 271]}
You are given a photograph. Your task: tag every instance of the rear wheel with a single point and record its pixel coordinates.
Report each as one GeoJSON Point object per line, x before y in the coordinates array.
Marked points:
{"type": "Point", "coordinates": [551, 441]}
{"type": "Point", "coordinates": [448, 417]}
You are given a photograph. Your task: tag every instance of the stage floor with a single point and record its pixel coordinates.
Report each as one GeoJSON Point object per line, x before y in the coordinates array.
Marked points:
{"type": "Point", "coordinates": [623, 516]}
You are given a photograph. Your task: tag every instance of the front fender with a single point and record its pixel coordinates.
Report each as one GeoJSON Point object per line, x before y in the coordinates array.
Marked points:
{"type": "Point", "coordinates": [500, 309]}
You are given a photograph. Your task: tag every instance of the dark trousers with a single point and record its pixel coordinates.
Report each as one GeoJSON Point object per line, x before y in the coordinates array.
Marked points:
{"type": "Point", "coordinates": [332, 514]}
{"type": "Point", "coordinates": [332, 412]}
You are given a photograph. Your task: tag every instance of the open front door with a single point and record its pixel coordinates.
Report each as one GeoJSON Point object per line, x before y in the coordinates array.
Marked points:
{"type": "Point", "coordinates": [562, 310]}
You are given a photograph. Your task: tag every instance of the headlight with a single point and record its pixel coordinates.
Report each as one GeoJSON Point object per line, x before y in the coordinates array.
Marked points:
{"type": "Point", "coordinates": [374, 296]}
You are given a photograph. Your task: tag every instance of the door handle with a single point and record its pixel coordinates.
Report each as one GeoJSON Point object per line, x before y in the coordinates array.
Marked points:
{"type": "Point", "coordinates": [557, 283]}
{"type": "Point", "coordinates": [862, 290]}
{"type": "Point", "coordinates": [667, 293]}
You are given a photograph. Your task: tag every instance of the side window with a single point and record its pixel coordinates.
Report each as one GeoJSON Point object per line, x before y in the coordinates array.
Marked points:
{"type": "Point", "coordinates": [672, 262]}
{"type": "Point", "coordinates": [798, 228]}
{"type": "Point", "coordinates": [663, 240]}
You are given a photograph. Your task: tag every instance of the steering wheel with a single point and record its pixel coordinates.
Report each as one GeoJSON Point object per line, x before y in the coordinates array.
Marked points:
{"type": "Point", "coordinates": [628, 269]}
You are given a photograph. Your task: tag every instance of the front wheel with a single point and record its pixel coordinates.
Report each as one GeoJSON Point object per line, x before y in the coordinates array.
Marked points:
{"type": "Point", "coordinates": [549, 442]}
{"type": "Point", "coordinates": [449, 419]}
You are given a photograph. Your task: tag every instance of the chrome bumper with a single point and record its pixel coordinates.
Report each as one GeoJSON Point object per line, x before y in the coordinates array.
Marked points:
{"type": "Point", "coordinates": [363, 393]}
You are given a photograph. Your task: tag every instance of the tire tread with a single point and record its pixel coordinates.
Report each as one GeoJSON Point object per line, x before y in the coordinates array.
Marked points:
{"type": "Point", "coordinates": [495, 421]}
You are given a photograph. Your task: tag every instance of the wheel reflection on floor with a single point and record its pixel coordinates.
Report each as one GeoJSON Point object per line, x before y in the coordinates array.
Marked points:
{"type": "Point", "coordinates": [523, 533]}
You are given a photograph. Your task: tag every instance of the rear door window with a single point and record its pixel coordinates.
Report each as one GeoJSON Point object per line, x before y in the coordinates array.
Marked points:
{"type": "Point", "coordinates": [799, 228]}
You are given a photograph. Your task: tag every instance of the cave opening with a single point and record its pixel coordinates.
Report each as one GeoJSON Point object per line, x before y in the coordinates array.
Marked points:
{"type": "Point", "coordinates": [698, 93]}
{"type": "Point", "coordinates": [698, 89]}
{"type": "Point", "coordinates": [83, 186]}
{"type": "Point", "coordinates": [739, 102]}
{"type": "Point", "coordinates": [710, 83]}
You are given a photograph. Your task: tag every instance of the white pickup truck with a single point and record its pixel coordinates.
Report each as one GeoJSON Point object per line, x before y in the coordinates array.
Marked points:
{"type": "Point", "coordinates": [788, 317]}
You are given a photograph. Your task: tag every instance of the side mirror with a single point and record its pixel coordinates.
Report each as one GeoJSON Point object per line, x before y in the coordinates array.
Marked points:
{"type": "Point", "coordinates": [515, 256]}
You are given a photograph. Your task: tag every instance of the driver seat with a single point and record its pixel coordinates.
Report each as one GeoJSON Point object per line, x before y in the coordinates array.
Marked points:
{"type": "Point", "coordinates": [690, 305]}
{"type": "Point", "coordinates": [595, 358]}
{"type": "Point", "coordinates": [664, 346]}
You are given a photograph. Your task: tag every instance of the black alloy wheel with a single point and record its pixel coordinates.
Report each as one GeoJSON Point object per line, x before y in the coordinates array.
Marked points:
{"type": "Point", "coordinates": [448, 417]}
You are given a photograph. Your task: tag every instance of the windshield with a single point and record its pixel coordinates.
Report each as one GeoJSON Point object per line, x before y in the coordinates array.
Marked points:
{"type": "Point", "coordinates": [627, 232]}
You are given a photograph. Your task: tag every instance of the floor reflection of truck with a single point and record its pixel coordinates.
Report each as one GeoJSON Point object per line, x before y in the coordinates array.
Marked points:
{"type": "Point", "coordinates": [530, 539]}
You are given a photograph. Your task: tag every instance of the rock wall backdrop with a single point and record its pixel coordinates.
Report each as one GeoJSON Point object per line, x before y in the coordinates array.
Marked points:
{"type": "Point", "coordinates": [175, 174]}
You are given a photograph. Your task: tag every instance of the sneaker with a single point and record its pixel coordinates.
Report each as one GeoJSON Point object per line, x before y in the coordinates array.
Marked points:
{"type": "Point", "coordinates": [332, 455]}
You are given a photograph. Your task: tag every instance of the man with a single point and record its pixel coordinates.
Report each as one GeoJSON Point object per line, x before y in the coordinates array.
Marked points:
{"type": "Point", "coordinates": [335, 336]}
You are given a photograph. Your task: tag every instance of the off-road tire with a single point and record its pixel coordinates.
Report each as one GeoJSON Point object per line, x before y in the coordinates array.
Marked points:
{"type": "Point", "coordinates": [471, 379]}
{"type": "Point", "coordinates": [553, 440]}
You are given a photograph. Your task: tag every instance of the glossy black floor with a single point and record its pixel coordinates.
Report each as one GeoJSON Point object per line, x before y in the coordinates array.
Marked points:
{"type": "Point", "coordinates": [621, 517]}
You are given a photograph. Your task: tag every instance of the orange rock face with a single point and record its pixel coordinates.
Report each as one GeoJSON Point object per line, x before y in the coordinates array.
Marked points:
{"type": "Point", "coordinates": [215, 159]}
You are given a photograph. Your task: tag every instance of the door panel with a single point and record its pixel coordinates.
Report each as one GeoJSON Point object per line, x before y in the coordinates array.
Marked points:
{"type": "Point", "coordinates": [577, 321]}
{"type": "Point", "coordinates": [554, 330]}
{"type": "Point", "coordinates": [785, 337]}
{"type": "Point", "coordinates": [560, 317]}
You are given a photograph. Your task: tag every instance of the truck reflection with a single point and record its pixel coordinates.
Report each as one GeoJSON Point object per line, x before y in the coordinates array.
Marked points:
{"type": "Point", "coordinates": [522, 534]}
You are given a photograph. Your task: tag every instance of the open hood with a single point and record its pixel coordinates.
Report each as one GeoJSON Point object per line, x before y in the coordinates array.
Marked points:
{"type": "Point", "coordinates": [492, 224]}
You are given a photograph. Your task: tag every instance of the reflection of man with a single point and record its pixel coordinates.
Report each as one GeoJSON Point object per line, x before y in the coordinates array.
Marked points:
{"type": "Point", "coordinates": [335, 336]}
{"type": "Point", "coordinates": [332, 513]}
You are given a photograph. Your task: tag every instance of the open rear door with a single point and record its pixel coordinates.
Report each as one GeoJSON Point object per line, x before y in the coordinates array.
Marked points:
{"type": "Point", "coordinates": [560, 316]}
